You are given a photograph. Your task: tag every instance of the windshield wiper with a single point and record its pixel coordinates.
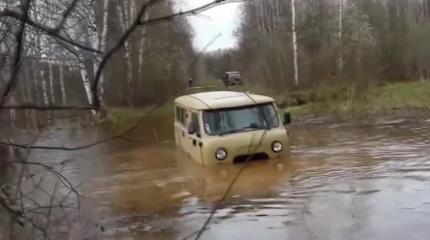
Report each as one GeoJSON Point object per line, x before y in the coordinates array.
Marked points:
{"type": "Point", "coordinates": [241, 129]}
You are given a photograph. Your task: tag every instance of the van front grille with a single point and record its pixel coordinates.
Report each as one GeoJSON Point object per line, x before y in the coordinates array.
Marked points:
{"type": "Point", "coordinates": [254, 157]}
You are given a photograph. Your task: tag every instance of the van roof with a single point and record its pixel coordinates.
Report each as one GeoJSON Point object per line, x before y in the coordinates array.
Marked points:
{"type": "Point", "coordinates": [221, 99]}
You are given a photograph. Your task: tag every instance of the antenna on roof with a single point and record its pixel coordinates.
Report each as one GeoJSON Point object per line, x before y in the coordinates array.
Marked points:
{"type": "Point", "coordinates": [249, 96]}
{"type": "Point", "coordinates": [198, 99]}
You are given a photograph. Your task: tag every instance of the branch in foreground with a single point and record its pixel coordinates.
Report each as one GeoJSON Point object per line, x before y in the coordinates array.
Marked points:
{"type": "Point", "coordinates": [65, 15]}
{"type": "Point", "coordinates": [47, 108]}
{"type": "Point", "coordinates": [17, 55]}
{"type": "Point", "coordinates": [190, 12]}
{"type": "Point", "coordinates": [53, 32]}
{"type": "Point", "coordinates": [93, 144]}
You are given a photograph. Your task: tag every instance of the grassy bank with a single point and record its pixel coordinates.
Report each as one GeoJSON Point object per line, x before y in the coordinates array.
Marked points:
{"type": "Point", "coordinates": [404, 97]}
{"type": "Point", "coordinates": [355, 102]}
{"type": "Point", "coordinates": [122, 118]}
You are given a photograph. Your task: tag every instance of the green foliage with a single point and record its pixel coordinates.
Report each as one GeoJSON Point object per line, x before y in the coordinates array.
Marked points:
{"type": "Point", "coordinates": [123, 115]}
{"type": "Point", "coordinates": [402, 95]}
{"type": "Point", "coordinates": [369, 101]}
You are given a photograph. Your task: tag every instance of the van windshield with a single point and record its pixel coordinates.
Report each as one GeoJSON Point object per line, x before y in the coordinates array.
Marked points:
{"type": "Point", "coordinates": [232, 120]}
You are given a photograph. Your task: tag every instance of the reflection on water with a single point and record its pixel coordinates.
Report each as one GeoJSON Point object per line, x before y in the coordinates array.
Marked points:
{"type": "Point", "coordinates": [342, 181]}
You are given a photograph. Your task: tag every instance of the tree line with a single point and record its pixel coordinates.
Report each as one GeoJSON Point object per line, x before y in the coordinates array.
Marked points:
{"type": "Point", "coordinates": [64, 43]}
{"type": "Point", "coordinates": [285, 44]}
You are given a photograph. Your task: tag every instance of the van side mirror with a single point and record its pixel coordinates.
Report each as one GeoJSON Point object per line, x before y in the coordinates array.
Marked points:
{"type": "Point", "coordinates": [191, 128]}
{"type": "Point", "coordinates": [287, 118]}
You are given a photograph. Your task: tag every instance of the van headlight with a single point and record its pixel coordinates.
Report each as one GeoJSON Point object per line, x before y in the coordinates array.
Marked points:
{"type": "Point", "coordinates": [221, 154]}
{"type": "Point", "coordinates": [277, 147]}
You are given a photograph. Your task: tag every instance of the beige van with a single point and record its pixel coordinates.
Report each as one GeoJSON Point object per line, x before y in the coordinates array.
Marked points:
{"type": "Point", "coordinates": [229, 127]}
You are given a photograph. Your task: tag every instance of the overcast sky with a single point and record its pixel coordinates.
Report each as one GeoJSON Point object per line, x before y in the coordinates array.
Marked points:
{"type": "Point", "coordinates": [222, 20]}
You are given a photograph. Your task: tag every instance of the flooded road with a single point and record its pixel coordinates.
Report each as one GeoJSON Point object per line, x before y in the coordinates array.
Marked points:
{"type": "Point", "coordinates": [368, 180]}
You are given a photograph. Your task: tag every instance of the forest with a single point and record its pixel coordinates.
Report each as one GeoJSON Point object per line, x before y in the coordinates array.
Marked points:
{"type": "Point", "coordinates": [330, 46]}
{"type": "Point", "coordinates": [60, 55]}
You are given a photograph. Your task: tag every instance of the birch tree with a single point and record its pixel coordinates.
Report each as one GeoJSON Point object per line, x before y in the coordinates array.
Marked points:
{"type": "Point", "coordinates": [142, 45]}
{"type": "Point", "coordinates": [294, 42]}
{"type": "Point", "coordinates": [103, 41]}
{"type": "Point", "coordinates": [126, 13]}
{"type": "Point", "coordinates": [51, 83]}
{"type": "Point", "coordinates": [340, 61]}
{"type": "Point", "coordinates": [62, 85]}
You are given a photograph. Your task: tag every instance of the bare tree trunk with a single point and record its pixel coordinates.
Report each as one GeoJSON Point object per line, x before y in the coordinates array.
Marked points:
{"type": "Point", "coordinates": [277, 14]}
{"type": "Point", "coordinates": [51, 83]}
{"type": "Point", "coordinates": [12, 112]}
{"type": "Point", "coordinates": [35, 82]}
{"type": "Point", "coordinates": [124, 13]}
{"type": "Point", "coordinates": [86, 81]}
{"type": "Point", "coordinates": [260, 19]}
{"type": "Point", "coordinates": [95, 43]}
{"type": "Point", "coordinates": [102, 44]}
{"type": "Point", "coordinates": [129, 71]}
{"type": "Point", "coordinates": [62, 86]}
{"type": "Point", "coordinates": [28, 89]}
{"type": "Point", "coordinates": [293, 30]}
{"type": "Point", "coordinates": [140, 67]}
{"type": "Point", "coordinates": [141, 51]}
{"type": "Point", "coordinates": [340, 60]}
{"type": "Point", "coordinates": [44, 86]}
{"type": "Point", "coordinates": [87, 85]}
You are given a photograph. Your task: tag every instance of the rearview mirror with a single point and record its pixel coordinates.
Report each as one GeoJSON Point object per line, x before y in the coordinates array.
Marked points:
{"type": "Point", "coordinates": [191, 129]}
{"type": "Point", "coordinates": [287, 118]}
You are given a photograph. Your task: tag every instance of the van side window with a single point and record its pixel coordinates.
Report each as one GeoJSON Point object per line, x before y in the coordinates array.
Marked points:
{"type": "Point", "coordinates": [195, 122]}
{"type": "Point", "coordinates": [181, 115]}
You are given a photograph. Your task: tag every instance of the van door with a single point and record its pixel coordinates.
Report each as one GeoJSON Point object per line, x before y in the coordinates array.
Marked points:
{"type": "Point", "coordinates": [195, 140]}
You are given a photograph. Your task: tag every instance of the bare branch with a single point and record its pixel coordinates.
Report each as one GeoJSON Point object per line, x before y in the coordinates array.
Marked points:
{"type": "Point", "coordinates": [48, 107]}
{"type": "Point", "coordinates": [190, 12]}
{"type": "Point", "coordinates": [47, 30]}
{"type": "Point", "coordinates": [63, 179]}
{"type": "Point", "coordinates": [17, 56]}
{"type": "Point", "coordinates": [65, 15]}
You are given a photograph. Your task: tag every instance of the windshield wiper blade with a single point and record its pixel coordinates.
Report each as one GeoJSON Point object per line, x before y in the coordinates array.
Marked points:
{"type": "Point", "coordinates": [241, 129]}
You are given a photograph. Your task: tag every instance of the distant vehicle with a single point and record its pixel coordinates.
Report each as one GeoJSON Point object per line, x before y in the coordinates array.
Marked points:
{"type": "Point", "coordinates": [190, 82]}
{"type": "Point", "coordinates": [229, 127]}
{"type": "Point", "coordinates": [232, 78]}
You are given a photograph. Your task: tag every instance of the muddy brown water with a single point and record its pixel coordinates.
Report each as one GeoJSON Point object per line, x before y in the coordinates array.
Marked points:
{"type": "Point", "coordinates": [367, 180]}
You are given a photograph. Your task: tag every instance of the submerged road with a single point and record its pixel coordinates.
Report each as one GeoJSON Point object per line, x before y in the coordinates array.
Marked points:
{"type": "Point", "coordinates": [366, 180]}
